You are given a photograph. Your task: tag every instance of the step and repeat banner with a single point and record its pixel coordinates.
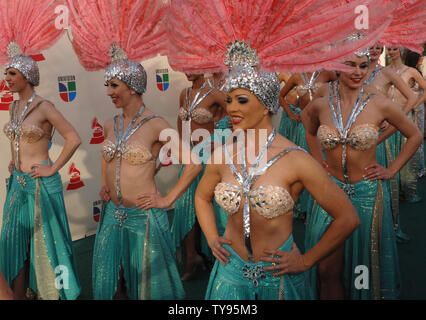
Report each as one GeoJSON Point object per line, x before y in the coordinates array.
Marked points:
{"type": "Point", "coordinates": [81, 97]}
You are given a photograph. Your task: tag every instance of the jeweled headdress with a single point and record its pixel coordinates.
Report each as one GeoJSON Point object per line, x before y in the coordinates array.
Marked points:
{"type": "Point", "coordinates": [19, 38]}
{"type": "Point", "coordinates": [25, 64]}
{"type": "Point", "coordinates": [131, 73]}
{"type": "Point", "coordinates": [243, 62]}
{"type": "Point", "coordinates": [279, 35]}
{"type": "Point", "coordinates": [113, 35]}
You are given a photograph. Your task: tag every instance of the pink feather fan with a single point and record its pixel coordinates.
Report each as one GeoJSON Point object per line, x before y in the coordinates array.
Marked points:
{"type": "Point", "coordinates": [31, 24]}
{"type": "Point", "coordinates": [408, 27]}
{"type": "Point", "coordinates": [289, 35]}
{"type": "Point", "coordinates": [135, 26]}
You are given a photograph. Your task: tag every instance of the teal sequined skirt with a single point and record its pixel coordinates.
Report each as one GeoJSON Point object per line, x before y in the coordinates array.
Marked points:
{"type": "Point", "coordinates": [372, 245]}
{"type": "Point", "coordinates": [241, 280]}
{"type": "Point", "coordinates": [138, 242]}
{"type": "Point", "coordinates": [386, 153]}
{"type": "Point", "coordinates": [35, 226]}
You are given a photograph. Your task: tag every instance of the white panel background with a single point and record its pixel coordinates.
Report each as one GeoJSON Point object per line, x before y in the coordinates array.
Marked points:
{"type": "Point", "coordinates": [91, 101]}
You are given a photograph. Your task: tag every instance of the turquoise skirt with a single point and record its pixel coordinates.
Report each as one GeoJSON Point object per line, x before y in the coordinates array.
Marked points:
{"type": "Point", "coordinates": [138, 242]}
{"type": "Point", "coordinates": [372, 245]}
{"type": "Point", "coordinates": [35, 226]}
{"type": "Point", "coordinates": [386, 153]}
{"type": "Point", "coordinates": [241, 280]}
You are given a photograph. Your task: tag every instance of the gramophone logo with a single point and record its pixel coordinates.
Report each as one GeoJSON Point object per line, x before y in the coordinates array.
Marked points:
{"type": "Point", "coordinates": [75, 182]}
{"type": "Point", "coordinates": [162, 76]}
{"type": "Point", "coordinates": [98, 133]}
{"type": "Point", "coordinates": [6, 97]}
{"type": "Point", "coordinates": [67, 88]}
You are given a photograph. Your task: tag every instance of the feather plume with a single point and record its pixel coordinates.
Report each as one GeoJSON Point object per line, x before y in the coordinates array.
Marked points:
{"type": "Point", "coordinates": [288, 35]}
{"type": "Point", "coordinates": [134, 26]}
{"type": "Point", "coordinates": [29, 24]}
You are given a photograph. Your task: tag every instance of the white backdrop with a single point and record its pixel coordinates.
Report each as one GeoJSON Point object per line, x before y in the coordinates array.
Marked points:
{"type": "Point", "coordinates": [92, 102]}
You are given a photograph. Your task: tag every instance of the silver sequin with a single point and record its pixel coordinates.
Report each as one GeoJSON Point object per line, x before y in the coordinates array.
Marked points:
{"type": "Point", "coordinates": [265, 85]}
{"type": "Point", "coordinates": [120, 216]}
{"type": "Point", "coordinates": [254, 273]}
{"type": "Point", "coordinates": [131, 73]}
{"type": "Point", "coordinates": [21, 180]}
{"type": "Point", "coordinates": [243, 62]}
{"type": "Point", "coordinates": [27, 66]}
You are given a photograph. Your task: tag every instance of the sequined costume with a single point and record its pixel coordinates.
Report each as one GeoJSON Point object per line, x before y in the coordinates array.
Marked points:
{"type": "Point", "coordinates": [242, 280]}
{"type": "Point", "coordinates": [34, 217]}
{"type": "Point", "coordinates": [35, 227]}
{"type": "Point", "coordinates": [252, 58]}
{"type": "Point", "coordinates": [138, 242]}
{"type": "Point", "coordinates": [134, 240]}
{"type": "Point", "coordinates": [373, 244]}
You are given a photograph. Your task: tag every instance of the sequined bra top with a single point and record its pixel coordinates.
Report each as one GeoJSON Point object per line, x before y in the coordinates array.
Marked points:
{"type": "Point", "coordinates": [200, 115]}
{"type": "Point", "coordinates": [361, 137]}
{"type": "Point", "coordinates": [133, 154]}
{"type": "Point", "coordinates": [27, 133]}
{"type": "Point", "coordinates": [268, 201]}
{"type": "Point", "coordinates": [191, 112]}
{"type": "Point", "coordinates": [310, 84]}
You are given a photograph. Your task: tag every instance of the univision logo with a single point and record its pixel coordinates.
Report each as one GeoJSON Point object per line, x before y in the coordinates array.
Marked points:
{"type": "Point", "coordinates": [67, 88]}
{"type": "Point", "coordinates": [162, 76]}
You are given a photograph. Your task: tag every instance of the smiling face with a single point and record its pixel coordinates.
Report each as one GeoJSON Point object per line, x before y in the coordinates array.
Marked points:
{"type": "Point", "coordinates": [375, 52]}
{"type": "Point", "coordinates": [245, 109]}
{"type": "Point", "coordinates": [355, 78]}
{"type": "Point", "coordinates": [15, 80]}
{"type": "Point", "coordinates": [119, 92]}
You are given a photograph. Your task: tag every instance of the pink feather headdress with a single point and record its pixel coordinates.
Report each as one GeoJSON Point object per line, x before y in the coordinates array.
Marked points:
{"type": "Point", "coordinates": [113, 34]}
{"type": "Point", "coordinates": [27, 28]}
{"type": "Point", "coordinates": [408, 27]}
{"type": "Point", "coordinates": [288, 35]}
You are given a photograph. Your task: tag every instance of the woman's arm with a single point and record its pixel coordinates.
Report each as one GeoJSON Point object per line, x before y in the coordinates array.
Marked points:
{"type": "Point", "coordinates": [406, 126]}
{"type": "Point", "coordinates": [334, 201]}
{"type": "Point", "coordinates": [289, 85]}
{"type": "Point", "coordinates": [192, 168]}
{"type": "Point", "coordinates": [72, 141]}
{"type": "Point", "coordinates": [422, 83]}
{"type": "Point", "coordinates": [311, 123]}
{"type": "Point", "coordinates": [405, 90]}
{"type": "Point", "coordinates": [205, 212]}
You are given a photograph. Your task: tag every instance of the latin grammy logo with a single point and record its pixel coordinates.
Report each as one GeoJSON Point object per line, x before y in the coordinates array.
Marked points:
{"type": "Point", "coordinates": [6, 97]}
{"type": "Point", "coordinates": [98, 133]}
{"type": "Point", "coordinates": [75, 182]}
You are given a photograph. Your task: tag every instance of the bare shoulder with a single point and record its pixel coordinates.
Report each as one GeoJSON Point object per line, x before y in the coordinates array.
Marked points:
{"type": "Point", "coordinates": [46, 105]}
{"type": "Point", "coordinates": [159, 123]}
